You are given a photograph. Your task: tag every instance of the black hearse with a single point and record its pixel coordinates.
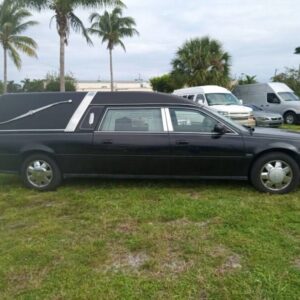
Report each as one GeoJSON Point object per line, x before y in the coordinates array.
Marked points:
{"type": "Point", "coordinates": [49, 136]}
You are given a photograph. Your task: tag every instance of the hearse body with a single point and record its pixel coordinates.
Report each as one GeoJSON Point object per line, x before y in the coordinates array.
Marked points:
{"type": "Point", "coordinates": [48, 136]}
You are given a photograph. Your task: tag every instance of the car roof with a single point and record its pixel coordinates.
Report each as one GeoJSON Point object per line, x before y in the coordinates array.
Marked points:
{"type": "Point", "coordinates": [137, 98]}
{"type": "Point", "coordinates": [202, 89]}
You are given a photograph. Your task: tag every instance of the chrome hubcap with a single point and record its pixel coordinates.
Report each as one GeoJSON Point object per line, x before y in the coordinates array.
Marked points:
{"type": "Point", "coordinates": [276, 175]}
{"type": "Point", "coordinates": [290, 119]}
{"type": "Point", "coordinates": [39, 173]}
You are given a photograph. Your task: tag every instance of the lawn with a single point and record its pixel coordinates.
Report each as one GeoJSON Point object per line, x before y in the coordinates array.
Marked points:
{"type": "Point", "coordinates": [106, 239]}
{"type": "Point", "coordinates": [148, 240]}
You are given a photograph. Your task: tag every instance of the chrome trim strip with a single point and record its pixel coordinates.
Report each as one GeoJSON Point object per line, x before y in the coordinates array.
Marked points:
{"type": "Point", "coordinates": [35, 111]}
{"type": "Point", "coordinates": [164, 119]}
{"type": "Point", "coordinates": [74, 121]}
{"type": "Point", "coordinates": [169, 121]}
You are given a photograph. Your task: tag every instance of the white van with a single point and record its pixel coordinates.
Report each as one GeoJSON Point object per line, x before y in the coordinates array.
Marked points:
{"type": "Point", "coordinates": [274, 97]}
{"type": "Point", "coordinates": [221, 100]}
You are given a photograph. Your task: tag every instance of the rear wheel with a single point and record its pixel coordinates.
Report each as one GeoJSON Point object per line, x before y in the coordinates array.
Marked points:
{"type": "Point", "coordinates": [290, 118]}
{"type": "Point", "coordinates": [40, 172]}
{"type": "Point", "coordinates": [275, 173]}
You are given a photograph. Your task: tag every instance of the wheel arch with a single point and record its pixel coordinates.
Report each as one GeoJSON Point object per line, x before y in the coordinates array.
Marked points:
{"type": "Point", "coordinates": [37, 149]}
{"type": "Point", "coordinates": [291, 151]}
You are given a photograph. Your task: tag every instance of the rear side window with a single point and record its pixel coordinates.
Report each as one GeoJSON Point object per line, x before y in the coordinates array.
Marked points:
{"type": "Point", "coordinates": [191, 97]}
{"type": "Point", "coordinates": [132, 120]}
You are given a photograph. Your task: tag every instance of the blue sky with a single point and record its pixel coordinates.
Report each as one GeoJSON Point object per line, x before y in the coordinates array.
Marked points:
{"type": "Point", "coordinates": [260, 35]}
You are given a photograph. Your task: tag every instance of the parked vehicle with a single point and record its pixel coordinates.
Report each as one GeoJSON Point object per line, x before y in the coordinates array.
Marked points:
{"type": "Point", "coordinates": [264, 118]}
{"type": "Point", "coordinates": [273, 97]}
{"type": "Point", "coordinates": [47, 137]}
{"type": "Point", "coordinates": [221, 100]}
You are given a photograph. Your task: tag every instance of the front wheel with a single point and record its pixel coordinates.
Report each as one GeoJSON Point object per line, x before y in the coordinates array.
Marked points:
{"type": "Point", "coordinates": [290, 118]}
{"type": "Point", "coordinates": [275, 173]}
{"type": "Point", "coordinates": [40, 172]}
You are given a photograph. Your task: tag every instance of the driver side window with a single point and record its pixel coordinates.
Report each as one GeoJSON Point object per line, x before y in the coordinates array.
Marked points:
{"type": "Point", "coordinates": [273, 98]}
{"type": "Point", "coordinates": [186, 120]}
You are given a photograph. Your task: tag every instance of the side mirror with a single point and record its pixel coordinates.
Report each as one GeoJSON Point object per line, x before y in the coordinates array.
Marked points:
{"type": "Point", "coordinates": [220, 129]}
{"type": "Point", "coordinates": [241, 101]}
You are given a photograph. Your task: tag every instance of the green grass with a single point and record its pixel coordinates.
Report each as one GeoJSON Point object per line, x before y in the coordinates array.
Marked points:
{"type": "Point", "coordinates": [291, 127]}
{"type": "Point", "coordinates": [95, 239]}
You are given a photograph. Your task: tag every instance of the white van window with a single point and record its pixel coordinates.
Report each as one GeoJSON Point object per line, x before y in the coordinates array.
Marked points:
{"type": "Point", "coordinates": [289, 96]}
{"type": "Point", "coordinates": [221, 99]}
{"type": "Point", "coordinates": [200, 98]}
{"type": "Point", "coordinates": [273, 98]}
{"type": "Point", "coordinates": [191, 97]}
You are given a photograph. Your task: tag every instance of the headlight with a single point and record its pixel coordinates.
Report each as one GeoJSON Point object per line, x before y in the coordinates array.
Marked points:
{"type": "Point", "coordinates": [263, 119]}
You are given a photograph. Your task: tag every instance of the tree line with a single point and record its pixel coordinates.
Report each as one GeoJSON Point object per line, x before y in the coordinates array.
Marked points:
{"type": "Point", "coordinates": [111, 27]}
{"type": "Point", "coordinates": [203, 61]}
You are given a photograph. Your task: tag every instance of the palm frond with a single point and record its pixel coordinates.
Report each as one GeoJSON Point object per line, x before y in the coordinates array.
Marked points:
{"type": "Point", "coordinates": [112, 27]}
{"type": "Point", "coordinates": [78, 26]}
{"type": "Point", "coordinates": [24, 26]}
{"type": "Point", "coordinates": [15, 57]}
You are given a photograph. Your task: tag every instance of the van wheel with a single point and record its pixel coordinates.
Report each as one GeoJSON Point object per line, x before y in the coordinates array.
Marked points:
{"type": "Point", "coordinates": [290, 118]}
{"type": "Point", "coordinates": [275, 173]}
{"type": "Point", "coordinates": [40, 172]}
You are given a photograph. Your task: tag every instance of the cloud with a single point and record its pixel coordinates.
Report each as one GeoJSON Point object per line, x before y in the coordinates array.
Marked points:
{"type": "Point", "coordinates": [259, 35]}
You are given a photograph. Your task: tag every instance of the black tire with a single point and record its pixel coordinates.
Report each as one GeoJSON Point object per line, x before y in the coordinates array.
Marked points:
{"type": "Point", "coordinates": [258, 167]}
{"type": "Point", "coordinates": [56, 176]}
{"type": "Point", "coordinates": [290, 118]}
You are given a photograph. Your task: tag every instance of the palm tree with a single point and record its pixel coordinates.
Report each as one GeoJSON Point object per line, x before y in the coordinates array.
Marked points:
{"type": "Point", "coordinates": [112, 27]}
{"type": "Point", "coordinates": [247, 79]}
{"type": "Point", "coordinates": [12, 25]}
{"type": "Point", "coordinates": [202, 61]}
{"type": "Point", "coordinates": [297, 51]}
{"type": "Point", "coordinates": [66, 20]}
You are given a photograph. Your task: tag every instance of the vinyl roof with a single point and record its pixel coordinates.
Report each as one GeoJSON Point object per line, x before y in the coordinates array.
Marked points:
{"type": "Point", "coordinates": [116, 98]}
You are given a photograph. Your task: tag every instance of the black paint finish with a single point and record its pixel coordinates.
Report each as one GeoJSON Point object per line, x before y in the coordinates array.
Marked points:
{"type": "Point", "coordinates": [86, 152]}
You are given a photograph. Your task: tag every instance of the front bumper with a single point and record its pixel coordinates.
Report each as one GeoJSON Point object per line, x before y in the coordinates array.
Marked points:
{"type": "Point", "coordinates": [250, 122]}
{"type": "Point", "coordinates": [269, 123]}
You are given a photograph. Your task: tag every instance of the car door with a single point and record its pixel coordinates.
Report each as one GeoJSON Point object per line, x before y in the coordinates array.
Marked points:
{"type": "Point", "coordinates": [273, 103]}
{"type": "Point", "coordinates": [196, 150]}
{"type": "Point", "coordinates": [132, 141]}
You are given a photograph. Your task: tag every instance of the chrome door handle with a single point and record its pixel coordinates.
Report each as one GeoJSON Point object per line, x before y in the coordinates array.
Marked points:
{"type": "Point", "coordinates": [107, 142]}
{"type": "Point", "coordinates": [182, 143]}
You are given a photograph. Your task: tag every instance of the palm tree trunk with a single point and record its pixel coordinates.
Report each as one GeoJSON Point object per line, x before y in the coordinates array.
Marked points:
{"type": "Point", "coordinates": [5, 71]}
{"type": "Point", "coordinates": [62, 63]}
{"type": "Point", "coordinates": [111, 71]}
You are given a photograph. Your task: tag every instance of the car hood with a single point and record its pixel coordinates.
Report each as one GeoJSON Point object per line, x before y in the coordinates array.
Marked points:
{"type": "Point", "coordinates": [232, 108]}
{"type": "Point", "coordinates": [281, 134]}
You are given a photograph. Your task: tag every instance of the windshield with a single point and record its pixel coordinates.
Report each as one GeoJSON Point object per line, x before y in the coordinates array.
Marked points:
{"type": "Point", "coordinates": [221, 99]}
{"type": "Point", "coordinates": [289, 96]}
